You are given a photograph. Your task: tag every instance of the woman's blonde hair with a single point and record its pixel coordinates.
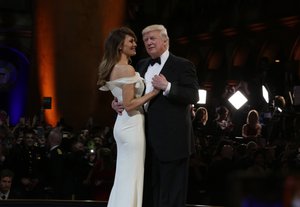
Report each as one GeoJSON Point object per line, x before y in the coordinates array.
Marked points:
{"type": "Point", "coordinates": [253, 117]}
{"type": "Point", "coordinates": [201, 115]}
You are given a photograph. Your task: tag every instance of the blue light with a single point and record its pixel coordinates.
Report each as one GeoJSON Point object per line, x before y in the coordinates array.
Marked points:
{"type": "Point", "coordinates": [17, 85]}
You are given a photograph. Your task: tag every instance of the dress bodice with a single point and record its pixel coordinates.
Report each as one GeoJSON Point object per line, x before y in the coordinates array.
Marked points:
{"type": "Point", "coordinates": [115, 86]}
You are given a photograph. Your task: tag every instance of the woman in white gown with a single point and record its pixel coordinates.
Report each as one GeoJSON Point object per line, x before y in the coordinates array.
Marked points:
{"type": "Point", "coordinates": [126, 85]}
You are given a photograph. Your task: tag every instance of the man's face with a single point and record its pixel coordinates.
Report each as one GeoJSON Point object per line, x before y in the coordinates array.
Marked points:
{"type": "Point", "coordinates": [154, 43]}
{"type": "Point", "coordinates": [5, 184]}
{"type": "Point", "coordinates": [29, 139]}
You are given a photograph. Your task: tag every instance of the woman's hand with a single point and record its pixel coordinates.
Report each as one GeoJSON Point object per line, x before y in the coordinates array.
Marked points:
{"type": "Point", "coordinates": [117, 106]}
{"type": "Point", "coordinates": [156, 91]}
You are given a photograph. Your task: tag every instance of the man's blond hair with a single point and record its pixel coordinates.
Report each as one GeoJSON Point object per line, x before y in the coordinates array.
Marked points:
{"type": "Point", "coordinates": [157, 27]}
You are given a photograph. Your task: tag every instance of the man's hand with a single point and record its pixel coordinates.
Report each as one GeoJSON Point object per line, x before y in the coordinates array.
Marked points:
{"type": "Point", "coordinates": [160, 82]}
{"type": "Point", "coordinates": [118, 107]}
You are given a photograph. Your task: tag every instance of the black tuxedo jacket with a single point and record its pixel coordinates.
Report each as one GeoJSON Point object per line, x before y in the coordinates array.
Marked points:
{"type": "Point", "coordinates": [168, 118]}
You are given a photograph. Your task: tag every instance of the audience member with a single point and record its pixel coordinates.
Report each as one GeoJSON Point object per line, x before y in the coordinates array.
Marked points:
{"type": "Point", "coordinates": [3, 157]}
{"type": "Point", "coordinates": [6, 180]}
{"type": "Point", "coordinates": [252, 129]}
{"type": "Point", "coordinates": [101, 176]}
{"type": "Point", "coordinates": [55, 166]}
{"type": "Point", "coordinates": [76, 171]}
{"type": "Point", "coordinates": [26, 160]}
{"type": "Point", "coordinates": [200, 128]}
{"type": "Point", "coordinates": [222, 127]}
{"type": "Point", "coordinates": [277, 127]}
{"type": "Point", "coordinates": [259, 166]}
{"type": "Point", "coordinates": [219, 172]}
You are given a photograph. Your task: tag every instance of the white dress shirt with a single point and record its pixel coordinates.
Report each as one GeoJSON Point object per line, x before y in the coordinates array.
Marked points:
{"type": "Point", "coordinates": [155, 70]}
{"type": "Point", "coordinates": [4, 196]}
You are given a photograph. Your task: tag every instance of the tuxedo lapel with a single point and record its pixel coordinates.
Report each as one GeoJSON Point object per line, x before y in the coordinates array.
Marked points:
{"type": "Point", "coordinates": [167, 66]}
{"type": "Point", "coordinates": [143, 68]}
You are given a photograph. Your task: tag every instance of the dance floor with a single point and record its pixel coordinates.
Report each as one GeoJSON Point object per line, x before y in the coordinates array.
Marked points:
{"type": "Point", "coordinates": [60, 203]}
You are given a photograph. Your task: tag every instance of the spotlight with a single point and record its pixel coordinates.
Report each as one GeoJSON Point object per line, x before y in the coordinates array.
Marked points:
{"type": "Point", "coordinates": [265, 93]}
{"type": "Point", "coordinates": [202, 96]}
{"type": "Point", "coordinates": [237, 99]}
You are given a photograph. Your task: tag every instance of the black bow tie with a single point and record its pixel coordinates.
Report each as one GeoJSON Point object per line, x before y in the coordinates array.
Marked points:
{"type": "Point", "coordinates": [153, 61]}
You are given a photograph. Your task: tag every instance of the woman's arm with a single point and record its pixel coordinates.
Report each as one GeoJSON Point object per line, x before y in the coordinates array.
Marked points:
{"type": "Point", "coordinates": [130, 102]}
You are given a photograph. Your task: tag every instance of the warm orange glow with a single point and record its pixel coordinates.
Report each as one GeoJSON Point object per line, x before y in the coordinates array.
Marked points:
{"type": "Point", "coordinates": [48, 27]}
{"type": "Point", "coordinates": [110, 21]}
{"type": "Point", "coordinates": [45, 56]}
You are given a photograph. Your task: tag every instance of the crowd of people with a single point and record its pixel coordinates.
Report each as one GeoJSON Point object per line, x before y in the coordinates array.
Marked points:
{"type": "Point", "coordinates": [55, 162]}
{"type": "Point", "coordinates": [260, 148]}
{"type": "Point", "coordinates": [40, 161]}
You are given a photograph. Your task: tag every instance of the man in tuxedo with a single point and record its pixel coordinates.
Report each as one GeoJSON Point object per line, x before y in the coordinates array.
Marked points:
{"type": "Point", "coordinates": [55, 173]}
{"type": "Point", "coordinates": [6, 179]}
{"type": "Point", "coordinates": [168, 120]}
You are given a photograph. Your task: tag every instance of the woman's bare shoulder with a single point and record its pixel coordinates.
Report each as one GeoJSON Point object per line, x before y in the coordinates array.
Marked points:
{"type": "Point", "coordinates": [122, 71]}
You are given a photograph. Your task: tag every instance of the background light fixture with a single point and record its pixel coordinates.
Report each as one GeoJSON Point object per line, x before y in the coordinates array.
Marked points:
{"type": "Point", "coordinates": [202, 96]}
{"type": "Point", "coordinates": [237, 99]}
{"type": "Point", "coordinates": [265, 93]}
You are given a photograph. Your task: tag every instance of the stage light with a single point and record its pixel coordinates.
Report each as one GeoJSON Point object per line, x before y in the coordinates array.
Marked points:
{"type": "Point", "coordinates": [265, 93]}
{"type": "Point", "coordinates": [202, 96]}
{"type": "Point", "coordinates": [237, 99]}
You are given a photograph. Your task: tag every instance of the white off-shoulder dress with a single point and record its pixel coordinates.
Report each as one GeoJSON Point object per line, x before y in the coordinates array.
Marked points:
{"type": "Point", "coordinates": [129, 133]}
